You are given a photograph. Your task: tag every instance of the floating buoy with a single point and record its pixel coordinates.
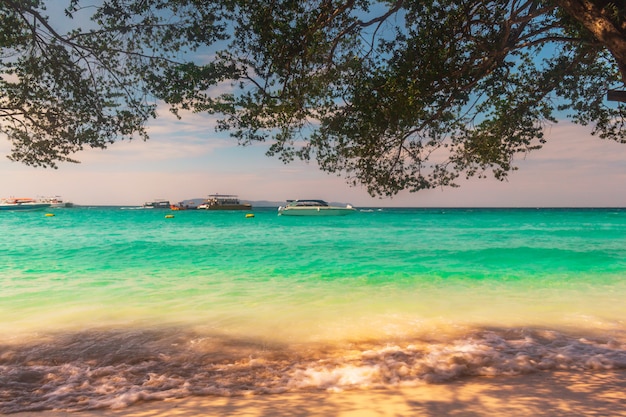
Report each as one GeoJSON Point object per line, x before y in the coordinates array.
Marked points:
{"type": "Point", "coordinates": [49, 214]}
{"type": "Point", "coordinates": [169, 216]}
{"type": "Point", "coordinates": [249, 215]}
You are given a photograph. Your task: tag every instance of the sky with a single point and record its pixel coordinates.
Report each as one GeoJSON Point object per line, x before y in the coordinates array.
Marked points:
{"type": "Point", "coordinates": [187, 159]}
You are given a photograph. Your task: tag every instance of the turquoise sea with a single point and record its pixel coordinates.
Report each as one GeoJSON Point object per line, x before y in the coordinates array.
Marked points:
{"type": "Point", "coordinates": [102, 307]}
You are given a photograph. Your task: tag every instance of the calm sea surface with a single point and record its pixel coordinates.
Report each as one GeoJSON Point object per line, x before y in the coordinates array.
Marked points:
{"type": "Point", "coordinates": [107, 306]}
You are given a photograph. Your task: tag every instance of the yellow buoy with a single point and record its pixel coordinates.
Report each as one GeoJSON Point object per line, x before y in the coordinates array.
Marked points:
{"type": "Point", "coordinates": [169, 216]}
{"type": "Point", "coordinates": [249, 215]}
{"type": "Point", "coordinates": [49, 214]}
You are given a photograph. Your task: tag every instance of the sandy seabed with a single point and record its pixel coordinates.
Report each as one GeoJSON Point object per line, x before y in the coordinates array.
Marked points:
{"type": "Point", "coordinates": [553, 394]}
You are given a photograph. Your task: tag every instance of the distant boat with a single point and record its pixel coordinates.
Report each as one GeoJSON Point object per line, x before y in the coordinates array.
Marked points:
{"type": "Point", "coordinates": [224, 202]}
{"type": "Point", "coordinates": [56, 201]}
{"type": "Point", "coordinates": [185, 205]}
{"type": "Point", "coordinates": [157, 204]}
{"type": "Point", "coordinates": [313, 208]}
{"type": "Point", "coordinates": [22, 204]}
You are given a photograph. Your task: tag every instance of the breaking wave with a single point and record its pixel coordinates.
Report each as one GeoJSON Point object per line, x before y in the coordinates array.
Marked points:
{"type": "Point", "coordinates": [114, 369]}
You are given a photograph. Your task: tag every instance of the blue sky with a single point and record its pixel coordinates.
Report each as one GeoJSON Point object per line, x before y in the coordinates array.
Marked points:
{"type": "Point", "coordinates": [188, 159]}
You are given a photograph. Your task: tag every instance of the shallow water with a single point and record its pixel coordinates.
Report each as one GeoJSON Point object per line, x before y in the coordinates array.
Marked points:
{"type": "Point", "coordinates": [106, 306]}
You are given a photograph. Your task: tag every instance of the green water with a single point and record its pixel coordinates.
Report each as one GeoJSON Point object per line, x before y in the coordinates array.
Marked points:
{"type": "Point", "coordinates": [177, 297]}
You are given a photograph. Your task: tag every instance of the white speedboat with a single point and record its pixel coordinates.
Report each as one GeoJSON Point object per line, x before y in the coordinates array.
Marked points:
{"type": "Point", "coordinates": [313, 208]}
{"type": "Point", "coordinates": [22, 204]}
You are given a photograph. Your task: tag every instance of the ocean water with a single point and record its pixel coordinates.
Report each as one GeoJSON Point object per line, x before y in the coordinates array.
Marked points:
{"type": "Point", "coordinates": [102, 307]}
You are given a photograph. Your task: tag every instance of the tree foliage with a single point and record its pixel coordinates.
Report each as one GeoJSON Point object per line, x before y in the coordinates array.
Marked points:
{"type": "Point", "coordinates": [394, 95]}
{"type": "Point", "coordinates": [63, 91]}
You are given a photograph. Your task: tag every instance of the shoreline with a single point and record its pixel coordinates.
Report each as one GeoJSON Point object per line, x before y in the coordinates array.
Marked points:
{"type": "Point", "coordinates": [551, 394]}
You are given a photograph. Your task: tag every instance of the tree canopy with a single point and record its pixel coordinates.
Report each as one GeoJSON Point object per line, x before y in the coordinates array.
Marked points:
{"type": "Point", "coordinates": [393, 95]}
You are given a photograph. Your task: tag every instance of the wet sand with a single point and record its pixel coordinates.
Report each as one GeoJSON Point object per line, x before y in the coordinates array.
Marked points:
{"type": "Point", "coordinates": [541, 394]}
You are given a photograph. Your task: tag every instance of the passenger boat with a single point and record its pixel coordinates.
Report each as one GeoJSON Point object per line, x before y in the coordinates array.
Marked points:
{"type": "Point", "coordinates": [184, 205]}
{"type": "Point", "coordinates": [223, 202]}
{"type": "Point", "coordinates": [22, 204]}
{"type": "Point", "coordinates": [56, 201]}
{"type": "Point", "coordinates": [313, 208]}
{"type": "Point", "coordinates": [158, 204]}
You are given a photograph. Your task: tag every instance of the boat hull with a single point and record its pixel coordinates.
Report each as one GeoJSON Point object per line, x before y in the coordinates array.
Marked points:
{"type": "Point", "coordinates": [316, 211]}
{"type": "Point", "coordinates": [227, 207]}
{"type": "Point", "coordinates": [23, 207]}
